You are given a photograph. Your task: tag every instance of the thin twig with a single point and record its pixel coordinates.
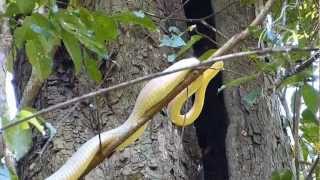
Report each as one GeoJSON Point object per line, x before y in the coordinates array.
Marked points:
{"type": "Point", "coordinates": [313, 167]}
{"type": "Point", "coordinates": [296, 120]}
{"type": "Point", "coordinates": [282, 98]}
{"type": "Point", "coordinates": [180, 19]}
{"type": "Point", "coordinates": [207, 37]}
{"type": "Point", "coordinates": [229, 57]}
{"type": "Point", "coordinates": [299, 68]}
{"type": "Point", "coordinates": [201, 20]}
{"type": "Point", "coordinates": [191, 19]}
{"type": "Point", "coordinates": [214, 29]}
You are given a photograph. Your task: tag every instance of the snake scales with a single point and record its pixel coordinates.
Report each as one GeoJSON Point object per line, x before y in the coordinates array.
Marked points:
{"type": "Point", "coordinates": [153, 92]}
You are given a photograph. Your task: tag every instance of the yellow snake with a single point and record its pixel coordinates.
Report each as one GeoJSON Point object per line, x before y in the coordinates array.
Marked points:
{"type": "Point", "coordinates": [153, 92]}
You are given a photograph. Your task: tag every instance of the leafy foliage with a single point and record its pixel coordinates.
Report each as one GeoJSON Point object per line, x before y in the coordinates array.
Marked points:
{"type": "Point", "coordinates": [19, 138]}
{"type": "Point", "coordinates": [238, 81]}
{"type": "Point", "coordinates": [81, 31]}
{"type": "Point", "coordinates": [38, 58]}
{"type": "Point", "coordinates": [295, 24]}
{"type": "Point", "coordinates": [185, 47]}
{"type": "Point", "coordinates": [135, 17]}
{"type": "Point", "coordinates": [85, 35]}
{"type": "Point", "coordinates": [174, 41]}
{"type": "Point", "coordinates": [311, 97]}
{"type": "Point", "coordinates": [282, 175]}
{"type": "Point", "coordinates": [189, 44]}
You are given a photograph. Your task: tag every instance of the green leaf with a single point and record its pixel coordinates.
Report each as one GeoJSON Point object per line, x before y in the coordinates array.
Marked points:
{"type": "Point", "coordinates": [18, 139]}
{"type": "Point", "coordinates": [308, 116]}
{"type": "Point", "coordinates": [10, 60]}
{"type": "Point", "coordinates": [311, 132]}
{"type": "Point", "coordinates": [73, 47]}
{"type": "Point", "coordinates": [74, 3]}
{"type": "Point", "coordinates": [12, 9]}
{"type": "Point", "coordinates": [251, 98]}
{"type": "Point", "coordinates": [93, 70]}
{"type": "Point", "coordinates": [20, 36]}
{"type": "Point", "coordinates": [207, 54]}
{"type": "Point", "coordinates": [190, 43]}
{"type": "Point", "coordinates": [294, 98]}
{"type": "Point", "coordinates": [24, 6]}
{"type": "Point", "coordinates": [40, 24]}
{"type": "Point", "coordinates": [73, 24]}
{"type": "Point", "coordinates": [86, 17]}
{"type": "Point", "coordinates": [41, 61]}
{"type": "Point", "coordinates": [270, 68]}
{"type": "Point", "coordinates": [310, 97]}
{"type": "Point", "coordinates": [287, 175]}
{"type": "Point", "coordinates": [20, 7]}
{"type": "Point", "coordinates": [282, 175]}
{"type": "Point", "coordinates": [255, 31]}
{"type": "Point", "coordinates": [36, 26]}
{"type": "Point", "coordinates": [275, 175]}
{"type": "Point", "coordinates": [34, 121]}
{"type": "Point", "coordinates": [238, 81]}
{"type": "Point", "coordinates": [135, 17]}
{"type": "Point", "coordinates": [105, 28]}
{"type": "Point", "coordinates": [173, 41]}
{"type": "Point", "coordinates": [296, 79]}
{"type": "Point", "coordinates": [305, 151]}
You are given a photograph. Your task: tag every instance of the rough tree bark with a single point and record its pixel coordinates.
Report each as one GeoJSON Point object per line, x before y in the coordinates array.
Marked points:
{"type": "Point", "coordinates": [255, 142]}
{"type": "Point", "coordinates": [3, 102]}
{"type": "Point", "coordinates": [159, 154]}
{"type": "Point", "coordinates": [5, 43]}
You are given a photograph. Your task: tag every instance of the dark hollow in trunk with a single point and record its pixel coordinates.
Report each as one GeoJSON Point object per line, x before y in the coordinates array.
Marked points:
{"type": "Point", "coordinates": [212, 123]}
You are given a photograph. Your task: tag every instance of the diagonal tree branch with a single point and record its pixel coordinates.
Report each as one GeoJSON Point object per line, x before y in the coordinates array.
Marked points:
{"type": "Point", "coordinates": [313, 167]}
{"type": "Point", "coordinates": [300, 68]}
{"type": "Point", "coordinates": [194, 74]}
{"type": "Point", "coordinates": [206, 64]}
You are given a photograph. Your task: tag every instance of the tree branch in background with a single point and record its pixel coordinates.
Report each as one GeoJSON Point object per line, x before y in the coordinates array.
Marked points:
{"type": "Point", "coordinates": [296, 120]}
{"type": "Point", "coordinates": [300, 68]}
{"type": "Point", "coordinates": [313, 167]}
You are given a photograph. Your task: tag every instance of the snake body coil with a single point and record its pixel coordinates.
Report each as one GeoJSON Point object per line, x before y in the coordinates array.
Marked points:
{"type": "Point", "coordinates": [153, 92]}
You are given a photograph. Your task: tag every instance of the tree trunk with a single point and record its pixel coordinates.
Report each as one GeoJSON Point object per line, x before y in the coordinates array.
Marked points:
{"type": "Point", "coordinates": [159, 154]}
{"type": "Point", "coordinates": [256, 142]}
{"type": "Point", "coordinates": [5, 43]}
{"type": "Point", "coordinates": [244, 143]}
